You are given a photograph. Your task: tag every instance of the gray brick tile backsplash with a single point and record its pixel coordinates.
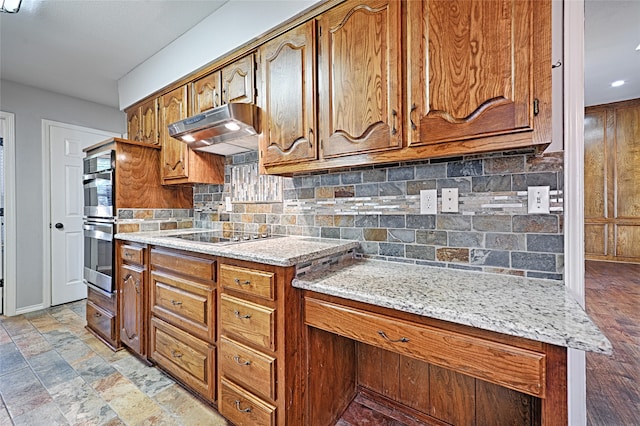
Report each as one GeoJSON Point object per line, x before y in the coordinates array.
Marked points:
{"type": "Point", "coordinates": [379, 206]}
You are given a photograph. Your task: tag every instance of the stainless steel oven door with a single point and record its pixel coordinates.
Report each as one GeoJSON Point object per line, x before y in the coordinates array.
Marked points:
{"type": "Point", "coordinates": [98, 255]}
{"type": "Point", "coordinates": [98, 194]}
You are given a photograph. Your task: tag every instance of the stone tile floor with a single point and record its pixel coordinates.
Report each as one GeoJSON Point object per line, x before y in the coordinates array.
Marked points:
{"type": "Point", "coordinates": [54, 372]}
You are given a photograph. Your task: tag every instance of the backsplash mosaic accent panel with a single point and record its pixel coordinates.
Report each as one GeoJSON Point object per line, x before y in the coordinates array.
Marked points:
{"type": "Point", "coordinates": [247, 185]}
{"type": "Point", "coordinates": [137, 220]}
{"type": "Point", "coordinates": [379, 206]}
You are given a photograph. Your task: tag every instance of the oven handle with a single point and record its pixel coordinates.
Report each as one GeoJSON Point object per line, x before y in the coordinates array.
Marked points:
{"type": "Point", "coordinates": [96, 176]}
{"type": "Point", "coordinates": [98, 231]}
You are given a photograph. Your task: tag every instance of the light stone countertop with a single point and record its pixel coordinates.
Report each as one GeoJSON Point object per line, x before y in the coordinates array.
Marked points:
{"type": "Point", "coordinates": [278, 251]}
{"type": "Point", "coordinates": [536, 309]}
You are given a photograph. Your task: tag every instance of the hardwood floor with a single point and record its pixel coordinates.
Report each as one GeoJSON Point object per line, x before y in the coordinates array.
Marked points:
{"type": "Point", "coordinates": [613, 383]}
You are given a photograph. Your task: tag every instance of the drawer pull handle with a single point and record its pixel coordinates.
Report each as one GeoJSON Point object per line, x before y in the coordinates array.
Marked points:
{"type": "Point", "coordinates": [239, 362]}
{"type": "Point", "coordinates": [246, 410]}
{"type": "Point", "coordinates": [128, 255]}
{"type": "Point", "coordinates": [245, 282]}
{"type": "Point", "coordinates": [175, 302]}
{"type": "Point", "coordinates": [237, 314]}
{"type": "Point", "coordinates": [176, 354]}
{"type": "Point", "coordinates": [385, 337]}
{"type": "Point", "coordinates": [97, 315]}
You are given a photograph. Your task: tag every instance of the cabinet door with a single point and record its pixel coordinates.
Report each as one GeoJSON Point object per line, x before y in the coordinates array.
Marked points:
{"type": "Point", "coordinates": [288, 65]}
{"type": "Point", "coordinates": [149, 122]}
{"type": "Point", "coordinates": [470, 69]}
{"type": "Point", "coordinates": [131, 307]}
{"type": "Point", "coordinates": [238, 81]}
{"type": "Point", "coordinates": [360, 70]}
{"type": "Point", "coordinates": [133, 124]}
{"type": "Point", "coordinates": [206, 93]}
{"type": "Point", "coordinates": [173, 107]}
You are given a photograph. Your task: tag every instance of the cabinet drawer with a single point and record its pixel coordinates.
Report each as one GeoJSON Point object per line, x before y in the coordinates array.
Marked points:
{"type": "Point", "coordinates": [180, 263]}
{"type": "Point", "coordinates": [248, 367]}
{"type": "Point", "coordinates": [105, 302]}
{"type": "Point", "coordinates": [249, 281]}
{"type": "Point", "coordinates": [132, 254]}
{"type": "Point", "coordinates": [101, 321]}
{"type": "Point", "coordinates": [519, 369]}
{"type": "Point", "coordinates": [253, 322]}
{"type": "Point", "coordinates": [186, 357]}
{"type": "Point", "coordinates": [243, 408]}
{"type": "Point", "coordinates": [189, 304]}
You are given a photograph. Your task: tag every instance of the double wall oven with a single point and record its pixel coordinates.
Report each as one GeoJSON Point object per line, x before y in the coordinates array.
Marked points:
{"type": "Point", "coordinates": [99, 220]}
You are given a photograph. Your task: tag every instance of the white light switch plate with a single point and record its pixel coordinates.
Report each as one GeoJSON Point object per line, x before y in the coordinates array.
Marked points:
{"type": "Point", "coordinates": [538, 199]}
{"type": "Point", "coordinates": [429, 201]}
{"type": "Point", "coordinates": [450, 200]}
{"type": "Point", "coordinates": [227, 204]}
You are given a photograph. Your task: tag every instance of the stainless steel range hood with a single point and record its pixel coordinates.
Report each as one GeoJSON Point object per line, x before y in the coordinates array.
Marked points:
{"type": "Point", "coordinates": [225, 130]}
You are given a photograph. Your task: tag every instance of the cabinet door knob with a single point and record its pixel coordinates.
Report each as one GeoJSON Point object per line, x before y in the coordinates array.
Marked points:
{"type": "Point", "coordinates": [246, 410]}
{"type": "Point", "coordinates": [238, 361]}
{"type": "Point", "coordinates": [237, 314]}
{"type": "Point", "coordinates": [385, 337]}
{"type": "Point", "coordinates": [245, 282]}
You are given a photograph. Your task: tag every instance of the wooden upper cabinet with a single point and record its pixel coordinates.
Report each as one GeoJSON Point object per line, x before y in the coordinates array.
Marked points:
{"type": "Point", "coordinates": [288, 87]}
{"type": "Point", "coordinates": [238, 81]}
{"type": "Point", "coordinates": [470, 69]}
{"type": "Point", "coordinates": [206, 93]}
{"type": "Point", "coordinates": [359, 67]}
{"type": "Point", "coordinates": [142, 122]}
{"type": "Point", "coordinates": [173, 107]}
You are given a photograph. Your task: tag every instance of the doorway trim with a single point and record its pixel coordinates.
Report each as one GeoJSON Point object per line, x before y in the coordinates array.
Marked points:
{"type": "Point", "coordinates": [574, 194]}
{"type": "Point", "coordinates": [11, 241]}
{"type": "Point", "coordinates": [46, 198]}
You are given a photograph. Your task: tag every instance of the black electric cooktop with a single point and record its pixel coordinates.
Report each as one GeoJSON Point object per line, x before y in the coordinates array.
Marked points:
{"type": "Point", "coordinates": [216, 237]}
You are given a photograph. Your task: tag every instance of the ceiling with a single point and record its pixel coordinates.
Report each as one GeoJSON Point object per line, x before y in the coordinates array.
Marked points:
{"type": "Point", "coordinates": [82, 48]}
{"type": "Point", "coordinates": [612, 33]}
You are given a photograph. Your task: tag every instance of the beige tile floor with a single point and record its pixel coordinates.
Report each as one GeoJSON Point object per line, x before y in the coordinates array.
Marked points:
{"type": "Point", "coordinates": [54, 372]}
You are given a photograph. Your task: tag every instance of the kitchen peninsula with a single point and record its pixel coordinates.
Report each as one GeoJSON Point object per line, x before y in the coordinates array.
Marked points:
{"type": "Point", "coordinates": [294, 320]}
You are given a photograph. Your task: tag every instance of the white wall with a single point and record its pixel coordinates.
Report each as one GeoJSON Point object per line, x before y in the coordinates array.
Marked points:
{"type": "Point", "coordinates": [30, 106]}
{"type": "Point", "coordinates": [234, 24]}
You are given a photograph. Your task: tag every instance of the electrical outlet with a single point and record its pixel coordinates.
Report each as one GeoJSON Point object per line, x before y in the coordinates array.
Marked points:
{"type": "Point", "coordinates": [538, 199]}
{"type": "Point", "coordinates": [429, 201]}
{"type": "Point", "coordinates": [227, 204]}
{"type": "Point", "coordinates": [450, 200]}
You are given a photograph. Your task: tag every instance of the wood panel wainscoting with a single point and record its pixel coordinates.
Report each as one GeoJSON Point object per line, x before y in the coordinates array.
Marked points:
{"type": "Point", "coordinates": [612, 181]}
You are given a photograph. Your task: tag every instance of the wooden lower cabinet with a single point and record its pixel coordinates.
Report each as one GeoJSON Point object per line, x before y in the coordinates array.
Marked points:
{"type": "Point", "coordinates": [260, 365]}
{"type": "Point", "coordinates": [131, 289]}
{"type": "Point", "coordinates": [430, 371]}
{"type": "Point", "coordinates": [182, 309]}
{"type": "Point", "coordinates": [187, 358]}
{"type": "Point", "coordinates": [101, 317]}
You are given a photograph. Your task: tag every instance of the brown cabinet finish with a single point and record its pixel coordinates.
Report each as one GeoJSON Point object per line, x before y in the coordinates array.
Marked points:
{"type": "Point", "coordinates": [435, 383]}
{"type": "Point", "coordinates": [101, 317]}
{"type": "Point", "coordinates": [132, 307]}
{"type": "Point", "coordinates": [180, 164]}
{"type": "Point", "coordinates": [480, 74]}
{"type": "Point", "coordinates": [239, 81]}
{"type": "Point", "coordinates": [206, 93]}
{"type": "Point", "coordinates": [360, 71]}
{"type": "Point", "coordinates": [182, 297]}
{"type": "Point", "coordinates": [612, 173]}
{"type": "Point", "coordinates": [186, 357]}
{"type": "Point", "coordinates": [142, 122]}
{"type": "Point", "coordinates": [289, 97]}
{"type": "Point", "coordinates": [260, 337]}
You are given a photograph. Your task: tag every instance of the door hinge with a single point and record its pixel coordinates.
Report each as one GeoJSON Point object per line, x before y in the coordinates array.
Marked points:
{"type": "Point", "coordinates": [536, 107]}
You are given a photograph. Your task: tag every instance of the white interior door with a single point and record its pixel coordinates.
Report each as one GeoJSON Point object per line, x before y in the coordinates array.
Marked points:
{"type": "Point", "coordinates": [66, 193]}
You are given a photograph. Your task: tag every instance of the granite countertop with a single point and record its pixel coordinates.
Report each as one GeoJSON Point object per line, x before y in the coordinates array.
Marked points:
{"type": "Point", "coordinates": [280, 251]}
{"type": "Point", "coordinates": [536, 309]}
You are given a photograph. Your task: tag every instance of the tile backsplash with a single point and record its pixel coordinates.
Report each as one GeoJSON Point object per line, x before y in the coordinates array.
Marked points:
{"type": "Point", "coordinates": [380, 207]}
{"type": "Point", "coordinates": [138, 220]}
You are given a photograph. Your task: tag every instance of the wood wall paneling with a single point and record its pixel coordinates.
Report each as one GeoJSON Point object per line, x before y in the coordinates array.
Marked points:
{"type": "Point", "coordinates": [612, 181]}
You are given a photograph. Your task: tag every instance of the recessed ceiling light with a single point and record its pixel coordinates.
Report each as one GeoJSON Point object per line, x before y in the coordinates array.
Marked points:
{"type": "Point", "coordinates": [617, 83]}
